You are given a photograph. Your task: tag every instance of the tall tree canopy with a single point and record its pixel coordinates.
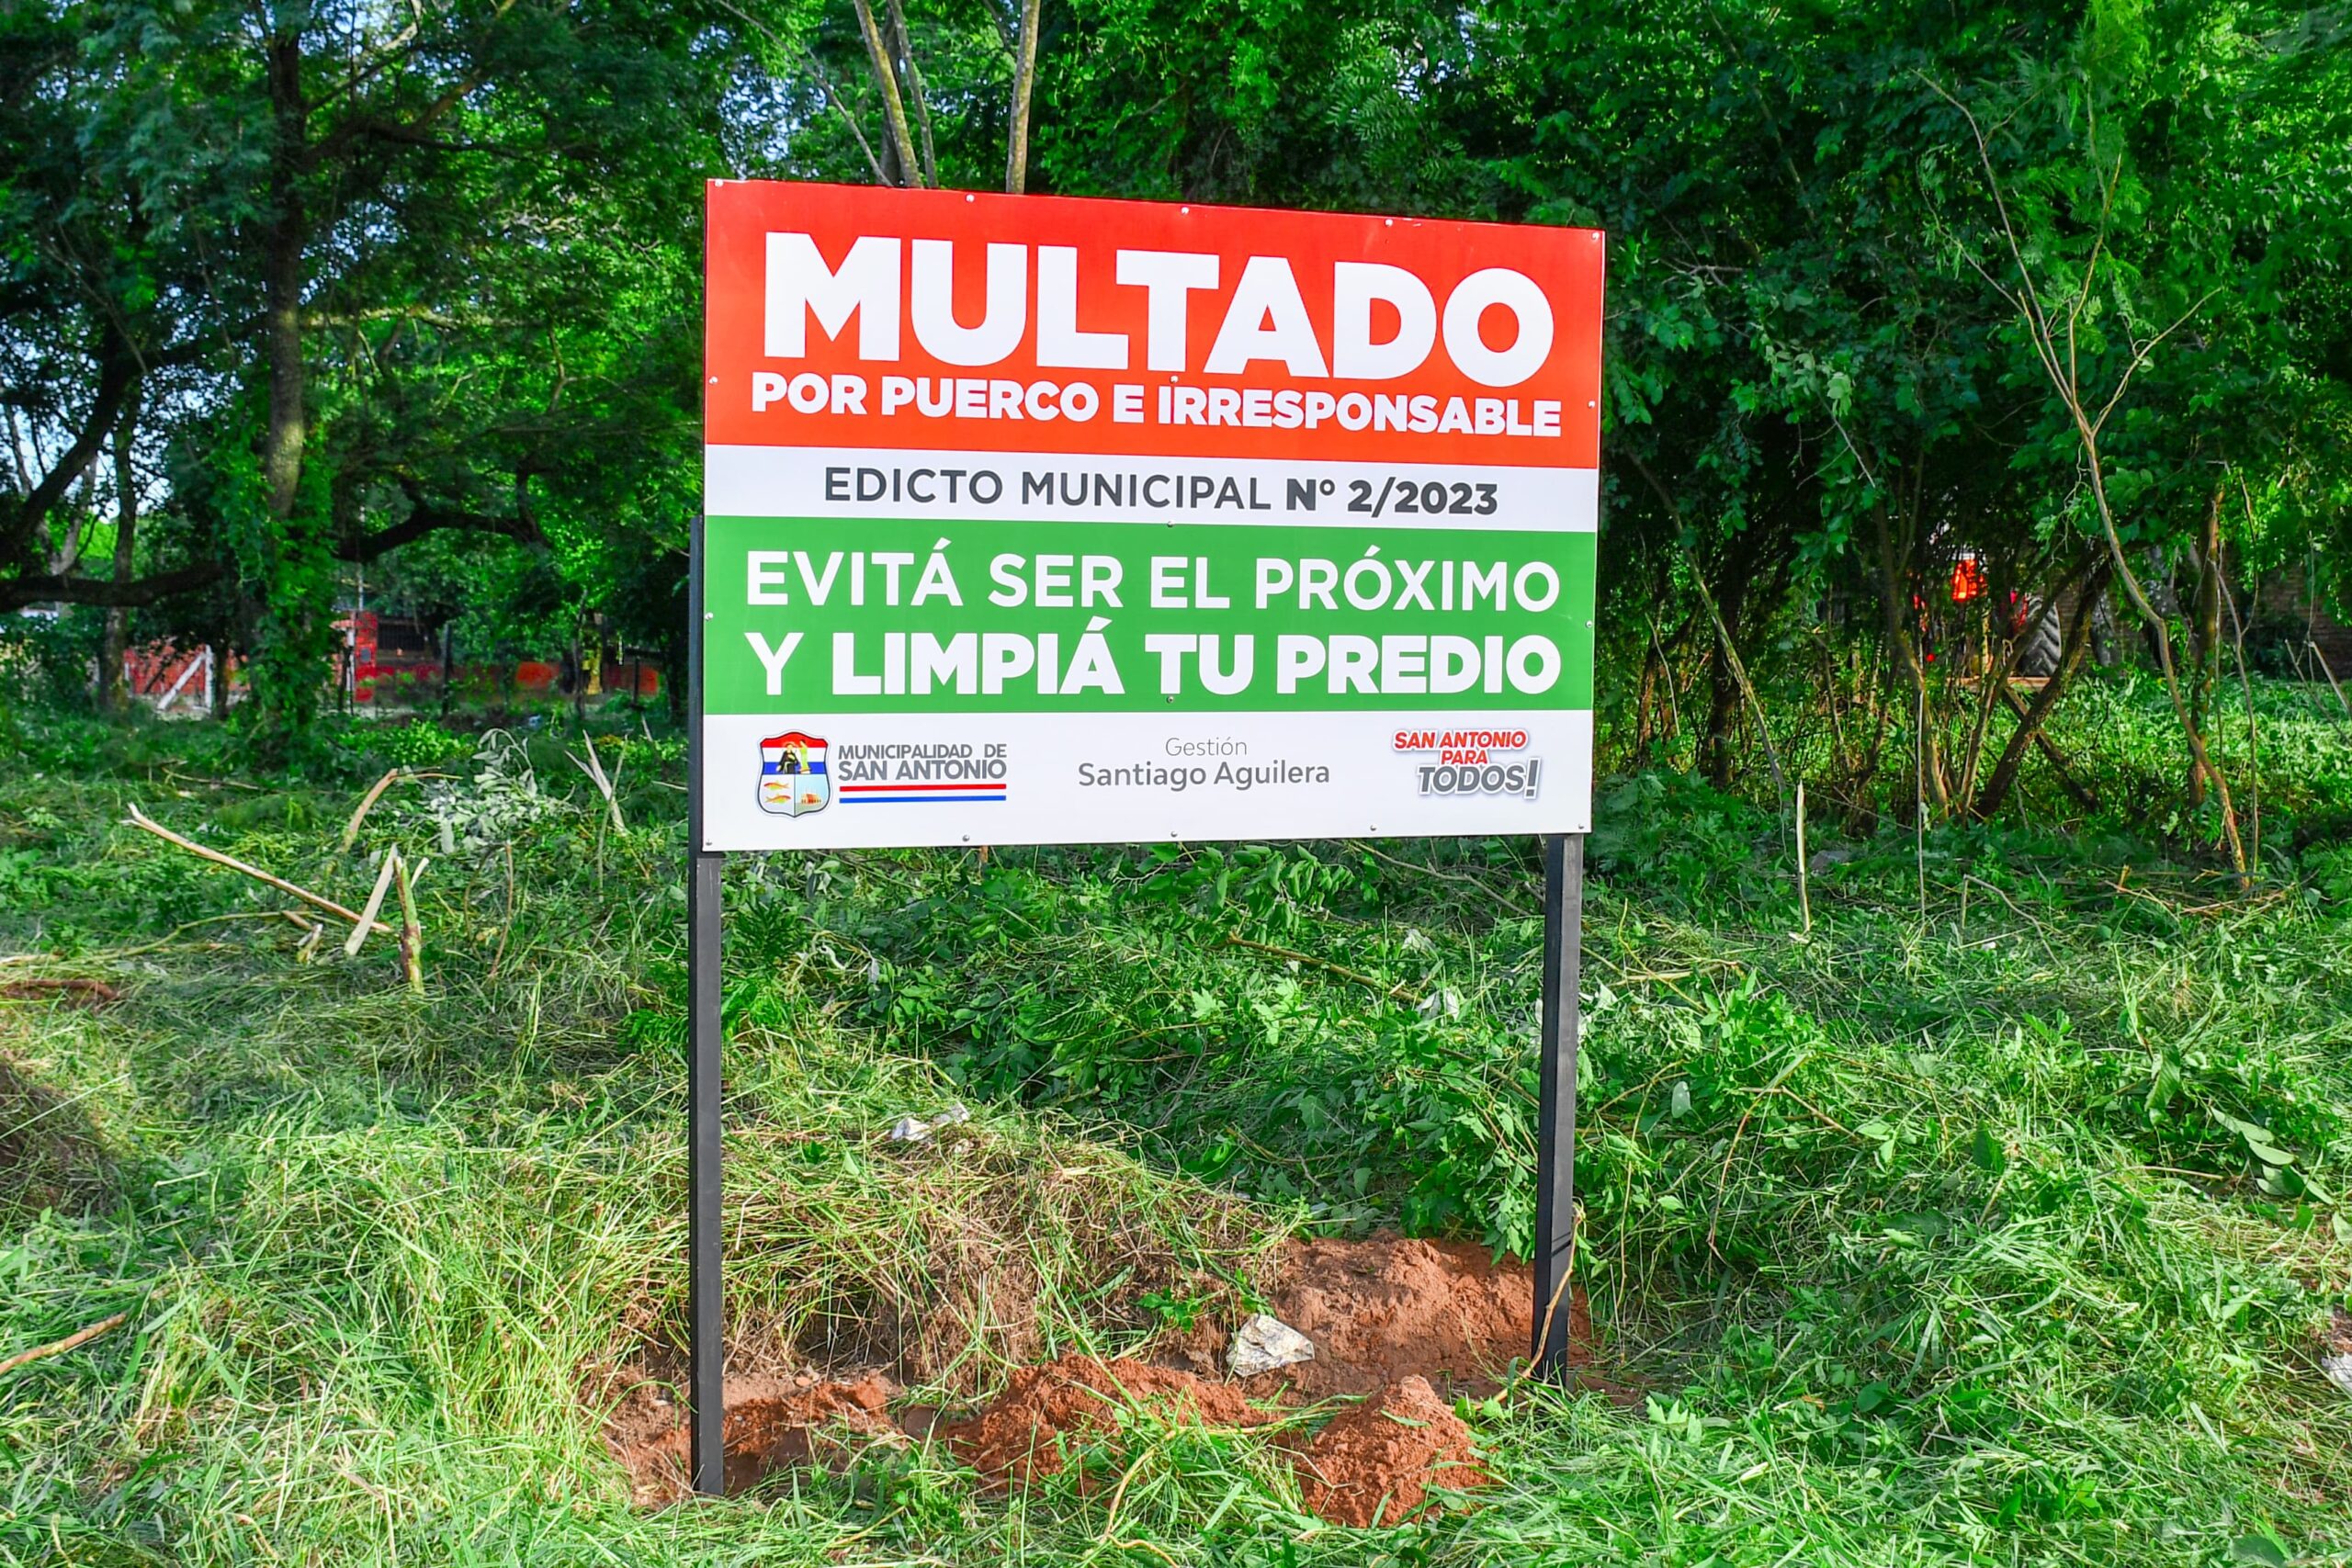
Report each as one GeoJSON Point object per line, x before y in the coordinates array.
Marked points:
{"type": "Point", "coordinates": [291, 288]}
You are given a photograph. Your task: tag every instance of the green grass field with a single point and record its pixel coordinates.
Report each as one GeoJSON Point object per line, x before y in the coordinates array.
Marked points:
{"type": "Point", "coordinates": [1996, 1222]}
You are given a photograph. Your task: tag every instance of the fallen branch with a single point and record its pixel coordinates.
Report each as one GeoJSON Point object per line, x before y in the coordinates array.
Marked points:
{"type": "Point", "coordinates": [2344, 701]}
{"type": "Point", "coordinates": [1398, 992]}
{"type": "Point", "coordinates": [359, 814]}
{"type": "Point", "coordinates": [411, 934]}
{"type": "Point", "coordinates": [116, 952]}
{"type": "Point", "coordinates": [1804, 891]}
{"type": "Point", "coordinates": [73, 1341]}
{"type": "Point", "coordinates": [595, 768]}
{"type": "Point", "coordinates": [97, 992]}
{"type": "Point", "coordinates": [140, 819]}
{"type": "Point", "coordinates": [366, 921]}
{"type": "Point", "coordinates": [210, 784]}
{"type": "Point", "coordinates": [367, 803]}
{"type": "Point", "coordinates": [1562, 1293]}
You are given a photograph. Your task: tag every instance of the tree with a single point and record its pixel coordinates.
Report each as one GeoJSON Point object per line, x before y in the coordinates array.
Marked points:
{"type": "Point", "coordinates": [2127, 218]}
{"type": "Point", "coordinates": [422, 273]}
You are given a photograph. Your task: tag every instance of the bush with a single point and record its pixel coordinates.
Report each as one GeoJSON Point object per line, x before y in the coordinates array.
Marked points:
{"type": "Point", "coordinates": [51, 660]}
{"type": "Point", "coordinates": [419, 743]}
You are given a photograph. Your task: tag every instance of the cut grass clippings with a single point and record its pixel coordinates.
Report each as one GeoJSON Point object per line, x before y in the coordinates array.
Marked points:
{"type": "Point", "coordinates": [2003, 1234]}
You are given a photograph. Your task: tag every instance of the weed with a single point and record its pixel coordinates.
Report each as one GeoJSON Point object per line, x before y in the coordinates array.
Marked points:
{"type": "Point", "coordinates": [1997, 1231]}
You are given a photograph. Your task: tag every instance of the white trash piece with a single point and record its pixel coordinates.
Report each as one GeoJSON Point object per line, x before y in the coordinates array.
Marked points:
{"type": "Point", "coordinates": [1262, 1344]}
{"type": "Point", "coordinates": [918, 1130]}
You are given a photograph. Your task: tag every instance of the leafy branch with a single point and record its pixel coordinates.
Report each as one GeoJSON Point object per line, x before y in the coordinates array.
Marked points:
{"type": "Point", "coordinates": [2057, 348]}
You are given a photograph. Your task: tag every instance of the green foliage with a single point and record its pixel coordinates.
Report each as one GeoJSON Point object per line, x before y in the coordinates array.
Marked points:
{"type": "Point", "coordinates": [1989, 1220]}
{"type": "Point", "coordinates": [501, 800]}
{"type": "Point", "coordinates": [415, 743]}
{"type": "Point", "coordinates": [48, 659]}
{"type": "Point", "coordinates": [1986, 1235]}
{"type": "Point", "coordinates": [1820, 387]}
{"type": "Point", "coordinates": [1996, 1232]}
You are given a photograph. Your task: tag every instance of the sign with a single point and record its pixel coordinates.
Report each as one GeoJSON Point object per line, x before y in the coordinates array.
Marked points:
{"type": "Point", "coordinates": [1042, 520]}
{"type": "Point", "coordinates": [1046, 521]}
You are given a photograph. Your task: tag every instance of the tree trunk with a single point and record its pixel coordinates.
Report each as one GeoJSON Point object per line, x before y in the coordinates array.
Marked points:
{"type": "Point", "coordinates": [579, 683]}
{"type": "Point", "coordinates": [290, 569]}
{"type": "Point", "coordinates": [1722, 713]}
{"type": "Point", "coordinates": [903, 45]}
{"type": "Point", "coordinates": [1024, 80]}
{"type": "Point", "coordinates": [2070, 657]}
{"type": "Point", "coordinates": [1904, 666]}
{"type": "Point", "coordinates": [1832, 708]}
{"type": "Point", "coordinates": [113, 692]}
{"type": "Point", "coordinates": [2205, 635]}
{"type": "Point", "coordinates": [1871, 692]}
{"type": "Point", "coordinates": [1717, 755]}
{"type": "Point", "coordinates": [908, 168]}
{"type": "Point", "coordinates": [1645, 705]}
{"type": "Point", "coordinates": [282, 285]}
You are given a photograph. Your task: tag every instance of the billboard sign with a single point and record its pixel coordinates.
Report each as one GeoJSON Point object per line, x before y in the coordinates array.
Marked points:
{"type": "Point", "coordinates": [1043, 520]}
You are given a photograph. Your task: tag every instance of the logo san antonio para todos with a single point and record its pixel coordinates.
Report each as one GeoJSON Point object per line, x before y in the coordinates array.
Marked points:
{"type": "Point", "coordinates": [1466, 763]}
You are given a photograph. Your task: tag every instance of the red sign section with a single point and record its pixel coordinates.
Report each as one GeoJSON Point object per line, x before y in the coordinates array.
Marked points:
{"type": "Point", "coordinates": [862, 317]}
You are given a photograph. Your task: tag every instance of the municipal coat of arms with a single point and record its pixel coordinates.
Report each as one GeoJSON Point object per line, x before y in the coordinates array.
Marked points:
{"type": "Point", "coordinates": [793, 780]}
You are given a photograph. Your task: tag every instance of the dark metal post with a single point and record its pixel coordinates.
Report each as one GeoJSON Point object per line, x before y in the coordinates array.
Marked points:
{"type": "Point", "coordinates": [707, 1378]}
{"type": "Point", "coordinates": [1555, 1155]}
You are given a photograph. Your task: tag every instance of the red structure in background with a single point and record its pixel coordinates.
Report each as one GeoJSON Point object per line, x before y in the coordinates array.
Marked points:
{"type": "Point", "coordinates": [393, 653]}
{"type": "Point", "coordinates": [394, 659]}
{"type": "Point", "coordinates": [1967, 579]}
{"type": "Point", "coordinates": [174, 678]}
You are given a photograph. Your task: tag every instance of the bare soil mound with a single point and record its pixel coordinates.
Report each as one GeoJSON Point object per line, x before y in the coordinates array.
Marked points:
{"type": "Point", "coordinates": [1403, 1324]}
{"type": "Point", "coordinates": [1374, 1464]}
{"type": "Point", "coordinates": [1030, 1429]}
{"type": "Point", "coordinates": [771, 1424]}
{"type": "Point", "coordinates": [1390, 1307]}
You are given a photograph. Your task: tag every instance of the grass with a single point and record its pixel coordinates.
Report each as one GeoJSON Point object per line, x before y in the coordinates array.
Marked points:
{"type": "Point", "coordinates": [1994, 1231]}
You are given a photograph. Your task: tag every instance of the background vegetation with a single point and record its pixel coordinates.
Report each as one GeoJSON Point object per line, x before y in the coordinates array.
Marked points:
{"type": "Point", "coordinates": [298, 292]}
{"type": "Point", "coordinates": [2000, 1221]}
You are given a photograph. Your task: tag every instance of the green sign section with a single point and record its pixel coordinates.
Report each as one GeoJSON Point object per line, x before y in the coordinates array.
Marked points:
{"type": "Point", "coordinates": [910, 615]}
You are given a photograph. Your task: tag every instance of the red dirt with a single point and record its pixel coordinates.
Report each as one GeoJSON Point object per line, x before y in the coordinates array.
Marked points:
{"type": "Point", "coordinates": [88, 993]}
{"type": "Point", "coordinates": [1374, 1464]}
{"type": "Point", "coordinates": [771, 1424]}
{"type": "Point", "coordinates": [1028, 1430]}
{"type": "Point", "coordinates": [1388, 1307]}
{"type": "Point", "coordinates": [1408, 1324]}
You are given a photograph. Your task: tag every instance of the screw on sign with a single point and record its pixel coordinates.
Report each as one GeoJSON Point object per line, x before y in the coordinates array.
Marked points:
{"type": "Point", "coordinates": [1040, 520]}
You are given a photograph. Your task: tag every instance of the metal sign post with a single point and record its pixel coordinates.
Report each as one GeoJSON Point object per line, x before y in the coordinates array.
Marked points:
{"type": "Point", "coordinates": [1039, 520]}
{"type": "Point", "coordinates": [1555, 1136]}
{"type": "Point", "coordinates": [1555, 1132]}
{"type": "Point", "coordinates": [707, 1349]}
